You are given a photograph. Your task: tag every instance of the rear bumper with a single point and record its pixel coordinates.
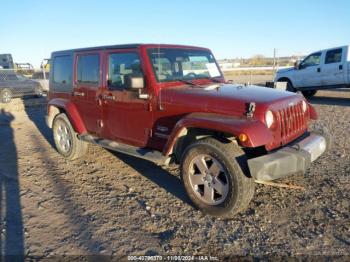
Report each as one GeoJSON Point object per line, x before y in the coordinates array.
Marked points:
{"type": "Point", "coordinates": [294, 158]}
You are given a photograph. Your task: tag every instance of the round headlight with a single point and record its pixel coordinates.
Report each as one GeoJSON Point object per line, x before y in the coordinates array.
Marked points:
{"type": "Point", "coordinates": [269, 119]}
{"type": "Point", "coordinates": [304, 106]}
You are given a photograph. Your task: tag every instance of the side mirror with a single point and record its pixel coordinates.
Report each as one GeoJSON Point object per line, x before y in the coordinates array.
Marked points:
{"type": "Point", "coordinates": [135, 82]}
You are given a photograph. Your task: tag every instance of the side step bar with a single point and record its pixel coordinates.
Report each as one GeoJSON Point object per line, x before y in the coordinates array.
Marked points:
{"type": "Point", "coordinates": [150, 155]}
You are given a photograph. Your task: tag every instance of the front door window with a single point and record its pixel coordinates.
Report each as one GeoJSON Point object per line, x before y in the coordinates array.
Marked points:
{"type": "Point", "coordinates": [311, 60]}
{"type": "Point", "coordinates": [122, 66]}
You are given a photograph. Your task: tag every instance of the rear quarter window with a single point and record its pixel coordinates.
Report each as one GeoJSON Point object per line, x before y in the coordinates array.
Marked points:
{"type": "Point", "coordinates": [62, 73]}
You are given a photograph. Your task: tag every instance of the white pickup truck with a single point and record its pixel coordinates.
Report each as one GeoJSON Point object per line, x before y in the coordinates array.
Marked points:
{"type": "Point", "coordinates": [325, 69]}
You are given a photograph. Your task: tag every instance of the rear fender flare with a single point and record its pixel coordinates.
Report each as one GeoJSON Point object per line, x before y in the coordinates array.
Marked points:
{"type": "Point", "coordinates": [58, 105]}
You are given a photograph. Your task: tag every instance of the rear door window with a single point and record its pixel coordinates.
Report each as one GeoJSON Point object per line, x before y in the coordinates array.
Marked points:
{"type": "Point", "coordinates": [88, 69]}
{"type": "Point", "coordinates": [334, 56]}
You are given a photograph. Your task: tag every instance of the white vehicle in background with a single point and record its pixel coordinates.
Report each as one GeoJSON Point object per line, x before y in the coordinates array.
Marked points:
{"type": "Point", "coordinates": [325, 69]}
{"type": "Point", "coordinates": [42, 78]}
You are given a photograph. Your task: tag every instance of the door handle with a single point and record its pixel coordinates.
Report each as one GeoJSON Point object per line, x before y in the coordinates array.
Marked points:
{"type": "Point", "coordinates": [75, 93]}
{"type": "Point", "coordinates": [108, 97]}
{"type": "Point", "coordinates": [340, 67]}
{"type": "Point", "coordinates": [318, 70]}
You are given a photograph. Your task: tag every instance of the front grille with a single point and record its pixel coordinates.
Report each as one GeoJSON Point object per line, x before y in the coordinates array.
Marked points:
{"type": "Point", "coordinates": [293, 122]}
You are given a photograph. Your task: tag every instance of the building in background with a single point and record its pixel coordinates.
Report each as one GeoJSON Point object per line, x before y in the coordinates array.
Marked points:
{"type": "Point", "coordinates": [6, 61]}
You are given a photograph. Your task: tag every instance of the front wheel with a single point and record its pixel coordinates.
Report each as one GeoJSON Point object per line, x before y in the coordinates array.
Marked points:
{"type": "Point", "coordinates": [66, 140]}
{"type": "Point", "coordinates": [290, 87]}
{"type": "Point", "coordinates": [213, 176]}
{"type": "Point", "coordinates": [6, 95]}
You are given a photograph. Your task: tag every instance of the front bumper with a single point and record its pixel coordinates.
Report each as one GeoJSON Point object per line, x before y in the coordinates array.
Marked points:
{"type": "Point", "coordinates": [294, 158]}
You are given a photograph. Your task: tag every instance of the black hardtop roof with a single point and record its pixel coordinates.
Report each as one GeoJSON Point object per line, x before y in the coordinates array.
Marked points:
{"type": "Point", "coordinates": [124, 46]}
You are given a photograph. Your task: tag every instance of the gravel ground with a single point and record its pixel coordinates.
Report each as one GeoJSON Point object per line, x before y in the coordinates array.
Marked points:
{"type": "Point", "coordinates": [116, 205]}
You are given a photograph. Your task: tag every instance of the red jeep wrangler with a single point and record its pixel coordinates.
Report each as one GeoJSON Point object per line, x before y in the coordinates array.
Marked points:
{"type": "Point", "coordinates": [171, 103]}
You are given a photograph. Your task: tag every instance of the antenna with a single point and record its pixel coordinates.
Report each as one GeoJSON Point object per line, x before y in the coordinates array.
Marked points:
{"type": "Point", "coordinates": [160, 82]}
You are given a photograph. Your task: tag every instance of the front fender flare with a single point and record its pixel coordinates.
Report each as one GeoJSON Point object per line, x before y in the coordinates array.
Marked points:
{"type": "Point", "coordinates": [258, 134]}
{"type": "Point", "coordinates": [71, 111]}
{"type": "Point", "coordinates": [312, 112]}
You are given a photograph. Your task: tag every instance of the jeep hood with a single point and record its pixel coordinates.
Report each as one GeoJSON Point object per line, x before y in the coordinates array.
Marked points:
{"type": "Point", "coordinates": [222, 98]}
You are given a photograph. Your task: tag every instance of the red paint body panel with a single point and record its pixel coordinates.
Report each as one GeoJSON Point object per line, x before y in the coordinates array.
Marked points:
{"type": "Point", "coordinates": [313, 113]}
{"type": "Point", "coordinates": [88, 105]}
{"type": "Point", "coordinates": [127, 118]}
{"type": "Point", "coordinates": [172, 106]}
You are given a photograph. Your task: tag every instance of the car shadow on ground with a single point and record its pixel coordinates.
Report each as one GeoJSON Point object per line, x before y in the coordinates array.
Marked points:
{"type": "Point", "coordinates": [36, 113]}
{"type": "Point", "coordinates": [339, 90]}
{"type": "Point", "coordinates": [335, 101]}
{"type": "Point", "coordinates": [11, 223]}
{"type": "Point", "coordinates": [157, 175]}
{"type": "Point", "coordinates": [77, 220]}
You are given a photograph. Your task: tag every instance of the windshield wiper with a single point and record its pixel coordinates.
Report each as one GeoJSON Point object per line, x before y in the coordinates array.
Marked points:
{"type": "Point", "coordinates": [212, 79]}
{"type": "Point", "coordinates": [189, 82]}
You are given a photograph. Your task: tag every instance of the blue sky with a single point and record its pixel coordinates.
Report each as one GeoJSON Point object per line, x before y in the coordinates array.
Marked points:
{"type": "Point", "coordinates": [31, 30]}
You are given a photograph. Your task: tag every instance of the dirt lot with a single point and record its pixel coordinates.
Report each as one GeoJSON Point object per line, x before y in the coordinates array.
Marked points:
{"type": "Point", "coordinates": [247, 78]}
{"type": "Point", "coordinates": [112, 204]}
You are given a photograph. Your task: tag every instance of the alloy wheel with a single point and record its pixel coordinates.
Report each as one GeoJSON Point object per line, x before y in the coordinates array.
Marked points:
{"type": "Point", "coordinates": [208, 179]}
{"type": "Point", "coordinates": [63, 138]}
{"type": "Point", "coordinates": [6, 96]}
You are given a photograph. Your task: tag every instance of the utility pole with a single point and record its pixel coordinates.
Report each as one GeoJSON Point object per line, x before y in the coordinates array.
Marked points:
{"type": "Point", "coordinates": [274, 62]}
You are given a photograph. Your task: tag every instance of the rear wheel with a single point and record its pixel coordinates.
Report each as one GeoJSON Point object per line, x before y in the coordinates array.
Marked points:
{"type": "Point", "coordinates": [66, 139]}
{"type": "Point", "coordinates": [6, 95]}
{"type": "Point", "coordinates": [309, 93]}
{"type": "Point", "coordinates": [214, 178]}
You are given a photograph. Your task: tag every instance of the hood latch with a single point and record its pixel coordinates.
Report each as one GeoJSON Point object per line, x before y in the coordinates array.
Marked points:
{"type": "Point", "coordinates": [250, 109]}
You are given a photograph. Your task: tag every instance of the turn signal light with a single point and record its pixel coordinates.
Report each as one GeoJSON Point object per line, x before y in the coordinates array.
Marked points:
{"type": "Point", "coordinates": [243, 137]}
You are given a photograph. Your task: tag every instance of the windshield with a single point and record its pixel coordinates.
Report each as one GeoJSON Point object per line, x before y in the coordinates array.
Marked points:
{"type": "Point", "coordinates": [171, 64]}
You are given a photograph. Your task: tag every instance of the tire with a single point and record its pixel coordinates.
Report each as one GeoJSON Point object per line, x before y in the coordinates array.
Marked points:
{"type": "Point", "coordinates": [6, 96]}
{"type": "Point", "coordinates": [309, 93]}
{"type": "Point", "coordinates": [38, 91]}
{"type": "Point", "coordinates": [290, 87]}
{"type": "Point", "coordinates": [229, 188]}
{"type": "Point", "coordinates": [66, 139]}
